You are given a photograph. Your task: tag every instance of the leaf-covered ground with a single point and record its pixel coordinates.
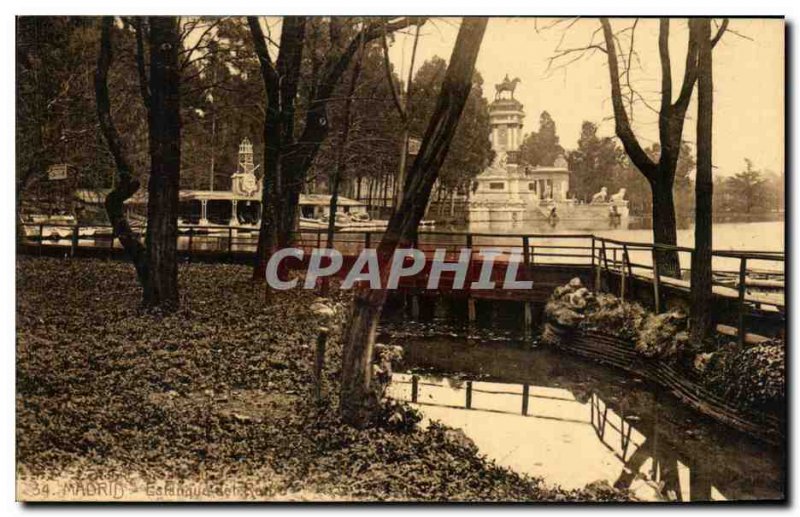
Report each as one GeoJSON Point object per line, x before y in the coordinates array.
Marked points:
{"type": "Point", "coordinates": [219, 391]}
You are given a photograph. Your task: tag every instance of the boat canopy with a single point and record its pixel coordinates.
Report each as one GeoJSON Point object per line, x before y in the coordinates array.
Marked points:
{"type": "Point", "coordinates": [98, 196]}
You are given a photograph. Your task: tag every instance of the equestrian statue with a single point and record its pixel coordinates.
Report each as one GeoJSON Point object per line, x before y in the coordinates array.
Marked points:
{"type": "Point", "coordinates": [507, 85]}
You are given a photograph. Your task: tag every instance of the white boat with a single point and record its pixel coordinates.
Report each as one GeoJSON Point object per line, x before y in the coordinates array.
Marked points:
{"type": "Point", "coordinates": [48, 226]}
{"type": "Point", "coordinates": [307, 223]}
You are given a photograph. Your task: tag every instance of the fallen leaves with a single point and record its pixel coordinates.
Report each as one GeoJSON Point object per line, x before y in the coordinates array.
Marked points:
{"type": "Point", "coordinates": [222, 389]}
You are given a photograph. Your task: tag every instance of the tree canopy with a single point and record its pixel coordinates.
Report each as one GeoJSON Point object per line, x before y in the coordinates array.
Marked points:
{"type": "Point", "coordinates": [541, 147]}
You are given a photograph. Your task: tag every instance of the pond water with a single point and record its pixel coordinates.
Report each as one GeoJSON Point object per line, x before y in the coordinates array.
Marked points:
{"type": "Point", "coordinates": [584, 422]}
{"type": "Point", "coordinates": [760, 236]}
{"type": "Point", "coordinates": [742, 236]}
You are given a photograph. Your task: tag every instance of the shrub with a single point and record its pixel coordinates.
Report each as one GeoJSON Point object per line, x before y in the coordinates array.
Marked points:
{"type": "Point", "coordinates": [609, 312]}
{"type": "Point", "coordinates": [397, 416]}
{"type": "Point", "coordinates": [752, 376]}
{"type": "Point", "coordinates": [657, 335]}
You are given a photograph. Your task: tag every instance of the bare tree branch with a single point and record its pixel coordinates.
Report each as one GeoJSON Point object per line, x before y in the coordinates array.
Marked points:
{"type": "Point", "coordinates": [721, 31]}
{"type": "Point", "coordinates": [390, 80]}
{"type": "Point", "coordinates": [140, 59]}
{"type": "Point", "coordinates": [622, 124]}
{"type": "Point", "coordinates": [268, 73]}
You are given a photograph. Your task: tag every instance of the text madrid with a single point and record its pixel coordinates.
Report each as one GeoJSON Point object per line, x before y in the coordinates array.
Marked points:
{"type": "Point", "coordinates": [366, 268]}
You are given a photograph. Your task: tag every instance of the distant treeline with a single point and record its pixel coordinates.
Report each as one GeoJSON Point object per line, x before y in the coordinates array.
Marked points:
{"type": "Point", "coordinates": [600, 161]}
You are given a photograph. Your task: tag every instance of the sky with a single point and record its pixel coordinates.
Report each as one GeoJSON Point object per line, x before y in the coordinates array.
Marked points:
{"type": "Point", "coordinates": [748, 79]}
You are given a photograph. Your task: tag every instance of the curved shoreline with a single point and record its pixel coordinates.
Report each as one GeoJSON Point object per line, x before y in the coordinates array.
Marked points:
{"type": "Point", "coordinates": [613, 351]}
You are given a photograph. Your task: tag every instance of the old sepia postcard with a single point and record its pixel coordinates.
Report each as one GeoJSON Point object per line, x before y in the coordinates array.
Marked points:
{"type": "Point", "coordinates": [400, 259]}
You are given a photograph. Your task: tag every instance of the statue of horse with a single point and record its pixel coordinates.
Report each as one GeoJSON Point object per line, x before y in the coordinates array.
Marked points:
{"type": "Point", "coordinates": [507, 85]}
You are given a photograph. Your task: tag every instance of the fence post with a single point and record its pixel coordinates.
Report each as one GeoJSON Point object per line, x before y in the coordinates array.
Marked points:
{"type": "Point", "coordinates": [627, 259]}
{"type": "Point", "coordinates": [191, 236]}
{"type": "Point", "coordinates": [525, 394]}
{"type": "Point", "coordinates": [605, 264]}
{"type": "Point", "coordinates": [41, 238]}
{"type": "Point", "coordinates": [415, 307]}
{"type": "Point", "coordinates": [468, 404]}
{"type": "Point", "coordinates": [367, 240]}
{"type": "Point", "coordinates": [472, 313]}
{"type": "Point", "coordinates": [414, 388]}
{"type": "Point", "coordinates": [230, 240]}
{"type": "Point", "coordinates": [468, 281]}
{"type": "Point", "coordinates": [742, 292]}
{"type": "Point", "coordinates": [594, 272]}
{"type": "Point", "coordinates": [111, 245]}
{"type": "Point", "coordinates": [656, 282]}
{"type": "Point", "coordinates": [528, 320]}
{"type": "Point", "coordinates": [526, 252]}
{"type": "Point", "coordinates": [623, 268]}
{"type": "Point", "coordinates": [596, 263]}
{"type": "Point", "coordinates": [74, 244]}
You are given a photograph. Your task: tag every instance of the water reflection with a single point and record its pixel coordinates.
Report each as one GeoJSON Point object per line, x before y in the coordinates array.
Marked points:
{"type": "Point", "coordinates": [578, 425]}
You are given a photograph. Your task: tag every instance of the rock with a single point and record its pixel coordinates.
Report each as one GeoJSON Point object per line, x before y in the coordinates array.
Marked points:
{"type": "Point", "coordinates": [575, 283]}
{"type": "Point", "coordinates": [701, 361]}
{"type": "Point", "coordinates": [565, 316]}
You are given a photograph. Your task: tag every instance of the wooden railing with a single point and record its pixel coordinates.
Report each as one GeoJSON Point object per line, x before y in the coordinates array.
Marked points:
{"type": "Point", "coordinates": [607, 258]}
{"type": "Point", "coordinates": [614, 256]}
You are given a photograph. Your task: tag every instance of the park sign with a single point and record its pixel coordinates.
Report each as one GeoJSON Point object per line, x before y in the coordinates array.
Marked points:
{"type": "Point", "coordinates": [57, 171]}
{"type": "Point", "coordinates": [414, 145]}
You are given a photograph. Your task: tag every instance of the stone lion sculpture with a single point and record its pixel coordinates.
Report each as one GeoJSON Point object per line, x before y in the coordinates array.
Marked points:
{"type": "Point", "coordinates": [600, 197]}
{"type": "Point", "coordinates": [619, 196]}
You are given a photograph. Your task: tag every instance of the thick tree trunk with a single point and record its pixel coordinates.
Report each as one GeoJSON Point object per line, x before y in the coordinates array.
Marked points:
{"type": "Point", "coordinates": [296, 155]}
{"type": "Point", "coordinates": [357, 397]}
{"type": "Point", "coordinates": [280, 85]}
{"type": "Point", "coordinates": [671, 118]}
{"type": "Point", "coordinates": [664, 228]}
{"type": "Point", "coordinates": [161, 287]}
{"type": "Point", "coordinates": [701, 258]}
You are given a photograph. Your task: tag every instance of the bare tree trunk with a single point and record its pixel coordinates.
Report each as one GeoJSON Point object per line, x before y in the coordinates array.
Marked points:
{"type": "Point", "coordinates": [357, 398]}
{"type": "Point", "coordinates": [341, 151]}
{"type": "Point", "coordinates": [671, 118]}
{"type": "Point", "coordinates": [294, 156]}
{"type": "Point", "coordinates": [280, 85]}
{"type": "Point", "coordinates": [665, 227]}
{"type": "Point", "coordinates": [161, 287]}
{"type": "Point", "coordinates": [401, 168]}
{"type": "Point", "coordinates": [403, 110]}
{"type": "Point", "coordinates": [701, 258]}
{"type": "Point", "coordinates": [125, 185]}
